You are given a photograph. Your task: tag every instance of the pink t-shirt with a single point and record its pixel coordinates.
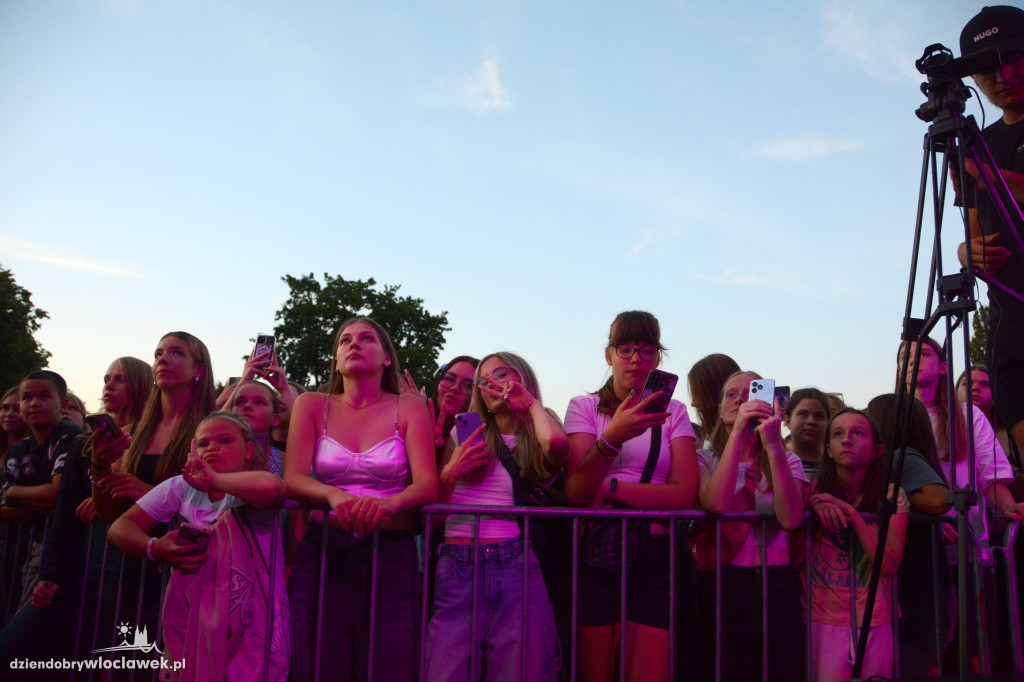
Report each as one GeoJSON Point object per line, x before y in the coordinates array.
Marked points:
{"type": "Point", "coordinates": [583, 417]}
{"type": "Point", "coordinates": [833, 565]}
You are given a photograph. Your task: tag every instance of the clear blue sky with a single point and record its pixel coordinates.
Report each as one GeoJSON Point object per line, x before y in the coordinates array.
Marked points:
{"type": "Point", "coordinates": [748, 172]}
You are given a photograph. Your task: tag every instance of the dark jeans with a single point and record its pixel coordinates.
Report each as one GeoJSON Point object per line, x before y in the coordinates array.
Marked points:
{"type": "Point", "coordinates": [347, 603]}
{"type": "Point", "coordinates": [742, 631]}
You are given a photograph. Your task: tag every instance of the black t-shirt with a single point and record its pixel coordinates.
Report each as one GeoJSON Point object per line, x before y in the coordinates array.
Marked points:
{"type": "Point", "coordinates": [1006, 142]}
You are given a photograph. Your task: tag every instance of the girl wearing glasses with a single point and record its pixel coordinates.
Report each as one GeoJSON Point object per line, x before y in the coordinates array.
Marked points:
{"type": "Point", "coordinates": [451, 396]}
{"type": "Point", "coordinates": [515, 421]}
{"type": "Point", "coordinates": [610, 435]}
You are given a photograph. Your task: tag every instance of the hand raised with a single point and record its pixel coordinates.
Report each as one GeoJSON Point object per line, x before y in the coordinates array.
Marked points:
{"type": "Point", "coordinates": [631, 419]}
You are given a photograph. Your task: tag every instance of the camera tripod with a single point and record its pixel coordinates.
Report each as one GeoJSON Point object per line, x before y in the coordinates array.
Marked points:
{"type": "Point", "coordinates": [956, 138]}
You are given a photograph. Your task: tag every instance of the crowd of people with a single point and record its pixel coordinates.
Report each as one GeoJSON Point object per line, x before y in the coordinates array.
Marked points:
{"type": "Point", "coordinates": [164, 510]}
{"type": "Point", "coordinates": [187, 485]}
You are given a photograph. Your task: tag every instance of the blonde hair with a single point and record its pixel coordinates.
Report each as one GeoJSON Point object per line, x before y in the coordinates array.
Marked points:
{"type": "Point", "coordinates": [720, 434]}
{"type": "Point", "coordinates": [528, 455]}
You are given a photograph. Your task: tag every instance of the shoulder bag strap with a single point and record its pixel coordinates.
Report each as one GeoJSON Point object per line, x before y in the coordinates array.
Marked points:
{"type": "Point", "coordinates": [506, 459]}
{"type": "Point", "coordinates": [652, 456]}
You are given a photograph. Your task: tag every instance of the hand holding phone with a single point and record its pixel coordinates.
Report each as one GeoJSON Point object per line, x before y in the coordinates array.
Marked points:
{"type": "Point", "coordinates": [191, 534]}
{"type": "Point", "coordinates": [110, 430]}
{"type": "Point", "coordinates": [465, 424]}
{"type": "Point", "coordinates": [658, 380]}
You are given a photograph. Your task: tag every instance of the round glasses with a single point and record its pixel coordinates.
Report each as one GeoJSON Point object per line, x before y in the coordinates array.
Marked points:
{"type": "Point", "coordinates": [499, 374]}
{"type": "Point", "coordinates": [449, 380]}
{"type": "Point", "coordinates": [626, 351]}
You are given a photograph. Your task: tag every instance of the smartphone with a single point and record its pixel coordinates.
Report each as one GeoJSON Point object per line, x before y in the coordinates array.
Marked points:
{"type": "Point", "coordinates": [191, 534]}
{"type": "Point", "coordinates": [761, 389]}
{"type": "Point", "coordinates": [465, 424]}
{"type": "Point", "coordinates": [103, 419]}
{"type": "Point", "coordinates": [782, 395]}
{"type": "Point", "coordinates": [665, 382]}
{"type": "Point", "coordinates": [264, 346]}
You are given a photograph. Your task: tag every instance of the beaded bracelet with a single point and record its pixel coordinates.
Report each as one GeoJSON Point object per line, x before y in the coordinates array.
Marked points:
{"type": "Point", "coordinates": [149, 549]}
{"type": "Point", "coordinates": [601, 451]}
{"type": "Point", "coordinates": [608, 446]}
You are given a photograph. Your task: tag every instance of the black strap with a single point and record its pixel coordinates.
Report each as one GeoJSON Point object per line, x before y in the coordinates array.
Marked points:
{"type": "Point", "coordinates": [507, 460]}
{"type": "Point", "coordinates": [652, 455]}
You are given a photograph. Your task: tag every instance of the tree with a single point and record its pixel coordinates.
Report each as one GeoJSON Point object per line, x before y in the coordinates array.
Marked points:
{"type": "Point", "coordinates": [979, 335]}
{"type": "Point", "coordinates": [20, 353]}
{"type": "Point", "coordinates": [310, 318]}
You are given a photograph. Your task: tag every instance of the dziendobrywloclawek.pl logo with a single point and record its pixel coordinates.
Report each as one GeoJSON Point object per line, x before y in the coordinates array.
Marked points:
{"type": "Point", "coordinates": [131, 641]}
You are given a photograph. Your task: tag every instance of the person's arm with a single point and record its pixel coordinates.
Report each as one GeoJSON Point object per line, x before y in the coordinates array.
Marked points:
{"type": "Point", "coordinates": [261, 489]}
{"type": "Point", "coordinates": [986, 253]}
{"type": "Point", "coordinates": [1000, 497]}
{"type": "Point", "coordinates": [932, 499]}
{"type": "Point", "coordinates": [104, 461]}
{"type": "Point", "coordinates": [588, 462]}
{"type": "Point", "coordinates": [37, 498]}
{"type": "Point", "coordinates": [460, 460]}
{"type": "Point", "coordinates": [550, 435]}
{"type": "Point", "coordinates": [788, 493]}
{"type": "Point", "coordinates": [718, 490]}
{"type": "Point", "coordinates": [836, 513]}
{"type": "Point", "coordinates": [130, 534]}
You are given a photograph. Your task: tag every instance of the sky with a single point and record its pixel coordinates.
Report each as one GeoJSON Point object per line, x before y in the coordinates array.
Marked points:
{"type": "Point", "coordinates": [748, 172]}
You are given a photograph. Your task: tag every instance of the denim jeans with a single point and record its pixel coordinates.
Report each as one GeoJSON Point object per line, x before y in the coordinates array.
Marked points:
{"type": "Point", "coordinates": [500, 633]}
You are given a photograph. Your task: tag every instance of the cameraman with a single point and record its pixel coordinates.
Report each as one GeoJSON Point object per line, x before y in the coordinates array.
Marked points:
{"type": "Point", "coordinates": [997, 254]}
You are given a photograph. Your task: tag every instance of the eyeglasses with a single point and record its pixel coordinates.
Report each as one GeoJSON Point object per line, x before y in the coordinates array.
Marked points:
{"type": "Point", "coordinates": [626, 352]}
{"type": "Point", "coordinates": [499, 374]}
{"type": "Point", "coordinates": [449, 380]}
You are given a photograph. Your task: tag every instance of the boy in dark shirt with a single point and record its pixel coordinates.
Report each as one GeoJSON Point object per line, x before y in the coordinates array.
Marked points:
{"type": "Point", "coordinates": [32, 469]}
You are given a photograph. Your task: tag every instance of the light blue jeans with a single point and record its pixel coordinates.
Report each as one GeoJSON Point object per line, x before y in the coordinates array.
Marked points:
{"type": "Point", "coordinates": [500, 632]}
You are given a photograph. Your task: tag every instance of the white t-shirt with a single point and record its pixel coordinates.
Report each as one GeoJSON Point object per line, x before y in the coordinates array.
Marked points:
{"type": "Point", "coordinates": [177, 501]}
{"type": "Point", "coordinates": [777, 548]}
{"type": "Point", "coordinates": [495, 489]}
{"type": "Point", "coordinates": [175, 497]}
{"type": "Point", "coordinates": [582, 417]}
{"type": "Point", "coordinates": [990, 466]}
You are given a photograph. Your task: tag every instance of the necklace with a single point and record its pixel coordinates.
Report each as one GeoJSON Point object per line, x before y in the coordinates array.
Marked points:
{"type": "Point", "coordinates": [361, 407]}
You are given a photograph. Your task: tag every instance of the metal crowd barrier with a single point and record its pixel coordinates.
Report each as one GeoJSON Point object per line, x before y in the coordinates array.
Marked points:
{"type": "Point", "coordinates": [95, 600]}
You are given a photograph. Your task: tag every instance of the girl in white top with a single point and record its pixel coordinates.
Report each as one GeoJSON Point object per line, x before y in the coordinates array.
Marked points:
{"type": "Point", "coordinates": [992, 470]}
{"type": "Point", "coordinates": [610, 432]}
{"type": "Point", "coordinates": [507, 397]}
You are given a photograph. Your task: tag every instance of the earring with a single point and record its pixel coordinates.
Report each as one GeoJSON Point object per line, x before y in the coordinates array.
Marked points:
{"type": "Point", "coordinates": [387, 363]}
{"type": "Point", "coordinates": [197, 381]}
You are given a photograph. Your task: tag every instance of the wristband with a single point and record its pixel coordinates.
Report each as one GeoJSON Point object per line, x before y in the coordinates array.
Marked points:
{"type": "Point", "coordinates": [612, 487]}
{"type": "Point", "coordinates": [608, 456]}
{"type": "Point", "coordinates": [149, 549]}
{"type": "Point", "coordinates": [97, 467]}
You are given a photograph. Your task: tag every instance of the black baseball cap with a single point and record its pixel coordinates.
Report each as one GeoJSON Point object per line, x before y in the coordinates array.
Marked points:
{"type": "Point", "coordinates": [993, 27]}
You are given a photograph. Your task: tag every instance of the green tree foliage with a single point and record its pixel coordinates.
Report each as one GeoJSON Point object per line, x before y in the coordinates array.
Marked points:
{"type": "Point", "coordinates": [20, 353]}
{"type": "Point", "coordinates": [311, 316]}
{"type": "Point", "coordinates": [979, 335]}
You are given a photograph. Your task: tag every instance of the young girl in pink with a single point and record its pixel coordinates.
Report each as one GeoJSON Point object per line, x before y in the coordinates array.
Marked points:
{"type": "Point", "coordinates": [215, 609]}
{"type": "Point", "coordinates": [850, 482]}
